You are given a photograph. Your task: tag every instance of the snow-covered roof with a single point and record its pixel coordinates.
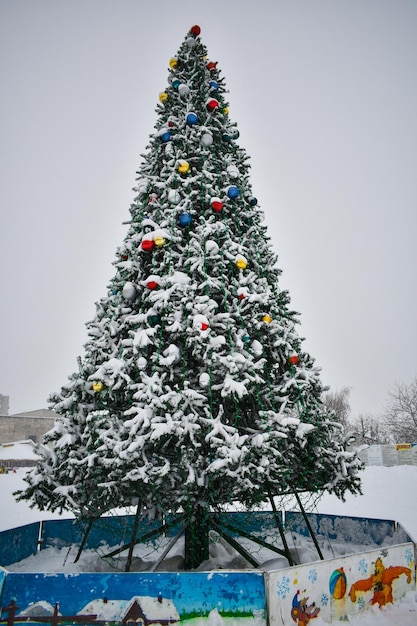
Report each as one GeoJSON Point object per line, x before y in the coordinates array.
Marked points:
{"type": "Point", "coordinates": [153, 609]}
{"type": "Point", "coordinates": [38, 413]}
{"type": "Point", "coordinates": [18, 450]}
{"type": "Point", "coordinates": [41, 608]}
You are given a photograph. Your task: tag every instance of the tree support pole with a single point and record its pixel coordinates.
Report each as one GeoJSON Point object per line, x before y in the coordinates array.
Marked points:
{"type": "Point", "coordinates": [310, 530]}
{"type": "Point", "coordinates": [281, 529]}
{"type": "Point", "coordinates": [133, 538]}
{"type": "Point", "coordinates": [84, 539]}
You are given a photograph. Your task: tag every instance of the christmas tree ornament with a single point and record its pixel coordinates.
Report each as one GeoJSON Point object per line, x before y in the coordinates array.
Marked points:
{"type": "Point", "coordinates": [211, 66]}
{"type": "Point", "coordinates": [98, 386]}
{"type": "Point", "coordinates": [214, 85]}
{"type": "Point", "coordinates": [129, 291]}
{"type": "Point", "coordinates": [241, 262]}
{"type": "Point", "coordinates": [212, 104]}
{"type": "Point", "coordinates": [253, 201]}
{"type": "Point", "coordinates": [226, 110]}
{"type": "Point", "coordinates": [152, 282]}
{"type": "Point", "coordinates": [204, 326]}
{"type": "Point", "coordinates": [245, 338]}
{"type": "Point", "coordinates": [212, 247]}
{"type": "Point", "coordinates": [166, 136]}
{"type": "Point", "coordinates": [147, 244]}
{"type": "Point", "coordinates": [153, 199]}
{"type": "Point", "coordinates": [236, 134]}
{"type": "Point", "coordinates": [200, 322]}
{"type": "Point", "coordinates": [184, 91]}
{"type": "Point", "coordinates": [163, 97]}
{"type": "Point", "coordinates": [267, 318]}
{"type": "Point", "coordinates": [154, 319]}
{"type": "Point", "coordinates": [257, 347]}
{"type": "Point", "coordinates": [173, 196]}
{"type": "Point", "coordinates": [124, 257]}
{"type": "Point", "coordinates": [226, 137]}
{"type": "Point", "coordinates": [159, 241]}
{"type": "Point", "coordinates": [233, 192]}
{"type": "Point", "coordinates": [191, 42]}
{"type": "Point", "coordinates": [216, 204]}
{"type": "Point", "coordinates": [293, 358]}
{"type": "Point", "coordinates": [195, 30]}
{"type": "Point", "coordinates": [176, 83]}
{"type": "Point", "coordinates": [185, 219]}
{"type": "Point", "coordinates": [173, 63]}
{"type": "Point", "coordinates": [206, 139]}
{"type": "Point", "coordinates": [233, 171]}
{"type": "Point", "coordinates": [183, 167]}
{"type": "Point", "coordinates": [204, 379]}
{"type": "Point", "coordinates": [242, 292]}
{"type": "Point", "coordinates": [191, 119]}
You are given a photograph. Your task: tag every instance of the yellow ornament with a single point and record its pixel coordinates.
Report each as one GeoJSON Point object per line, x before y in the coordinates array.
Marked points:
{"type": "Point", "coordinates": [98, 386]}
{"type": "Point", "coordinates": [267, 318]}
{"type": "Point", "coordinates": [241, 262]}
{"type": "Point", "coordinates": [226, 110]}
{"type": "Point", "coordinates": [163, 97]}
{"type": "Point", "coordinates": [183, 167]}
{"type": "Point", "coordinates": [173, 63]}
{"type": "Point", "coordinates": [159, 241]}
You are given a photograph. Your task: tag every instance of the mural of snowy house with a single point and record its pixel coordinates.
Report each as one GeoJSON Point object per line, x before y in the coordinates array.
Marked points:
{"type": "Point", "coordinates": [138, 611]}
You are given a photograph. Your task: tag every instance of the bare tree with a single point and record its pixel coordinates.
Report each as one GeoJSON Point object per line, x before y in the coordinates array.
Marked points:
{"type": "Point", "coordinates": [400, 415]}
{"type": "Point", "coordinates": [338, 401]}
{"type": "Point", "coordinates": [370, 429]}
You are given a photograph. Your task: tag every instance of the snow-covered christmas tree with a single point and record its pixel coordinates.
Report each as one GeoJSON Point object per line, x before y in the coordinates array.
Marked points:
{"type": "Point", "coordinates": [194, 391]}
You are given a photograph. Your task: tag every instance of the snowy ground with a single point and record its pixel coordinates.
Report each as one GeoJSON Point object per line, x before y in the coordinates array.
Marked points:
{"type": "Point", "coordinates": [388, 493]}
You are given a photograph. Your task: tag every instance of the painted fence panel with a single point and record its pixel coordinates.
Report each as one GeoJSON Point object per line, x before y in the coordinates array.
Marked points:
{"type": "Point", "coordinates": [106, 530]}
{"type": "Point", "coordinates": [337, 589]}
{"type": "Point", "coordinates": [18, 543]}
{"type": "Point", "coordinates": [164, 598]}
{"type": "Point", "coordinates": [363, 531]}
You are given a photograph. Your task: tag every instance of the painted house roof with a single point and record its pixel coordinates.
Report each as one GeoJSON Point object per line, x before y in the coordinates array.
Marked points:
{"type": "Point", "coordinates": [41, 608]}
{"type": "Point", "coordinates": [151, 607]}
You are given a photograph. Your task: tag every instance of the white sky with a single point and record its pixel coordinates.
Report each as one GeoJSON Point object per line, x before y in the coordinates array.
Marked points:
{"type": "Point", "coordinates": [324, 93]}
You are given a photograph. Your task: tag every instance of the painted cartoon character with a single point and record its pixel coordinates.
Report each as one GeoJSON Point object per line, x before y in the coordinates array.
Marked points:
{"type": "Point", "coordinates": [381, 582]}
{"type": "Point", "coordinates": [301, 612]}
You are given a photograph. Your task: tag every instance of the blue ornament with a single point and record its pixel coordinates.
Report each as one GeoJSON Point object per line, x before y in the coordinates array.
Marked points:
{"type": "Point", "coordinates": [246, 338]}
{"type": "Point", "coordinates": [233, 192]}
{"type": "Point", "coordinates": [185, 219]}
{"type": "Point", "coordinates": [226, 137]}
{"type": "Point", "coordinates": [236, 134]}
{"type": "Point", "coordinates": [214, 84]}
{"type": "Point", "coordinates": [176, 83]}
{"type": "Point", "coordinates": [253, 201]}
{"type": "Point", "coordinates": [191, 119]}
{"type": "Point", "coordinates": [166, 136]}
{"type": "Point", "coordinates": [154, 320]}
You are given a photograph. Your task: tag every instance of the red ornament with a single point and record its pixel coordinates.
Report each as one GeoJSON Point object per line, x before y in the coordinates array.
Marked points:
{"type": "Point", "coordinates": [147, 245]}
{"type": "Point", "coordinates": [241, 296]}
{"type": "Point", "coordinates": [152, 284]}
{"type": "Point", "coordinates": [211, 65]}
{"type": "Point", "coordinates": [195, 30]}
{"type": "Point", "coordinates": [293, 359]}
{"type": "Point", "coordinates": [216, 205]}
{"type": "Point", "coordinates": [204, 326]}
{"type": "Point", "coordinates": [124, 257]}
{"type": "Point", "coordinates": [212, 104]}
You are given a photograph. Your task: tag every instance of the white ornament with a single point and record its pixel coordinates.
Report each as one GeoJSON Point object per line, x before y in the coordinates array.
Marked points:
{"type": "Point", "coordinates": [129, 291]}
{"type": "Point", "coordinates": [207, 139]}
{"type": "Point", "coordinates": [257, 347]}
{"type": "Point", "coordinates": [233, 171]}
{"type": "Point", "coordinates": [184, 91]}
{"type": "Point", "coordinates": [211, 247]}
{"type": "Point", "coordinates": [191, 42]}
{"type": "Point", "coordinates": [173, 196]}
{"type": "Point", "coordinates": [141, 363]}
{"type": "Point", "coordinates": [204, 379]}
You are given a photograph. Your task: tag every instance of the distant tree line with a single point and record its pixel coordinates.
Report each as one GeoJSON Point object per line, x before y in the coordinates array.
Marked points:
{"type": "Point", "coordinates": [396, 424]}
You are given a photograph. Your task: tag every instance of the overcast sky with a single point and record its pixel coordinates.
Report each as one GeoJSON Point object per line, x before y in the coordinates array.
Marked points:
{"type": "Point", "coordinates": [324, 93]}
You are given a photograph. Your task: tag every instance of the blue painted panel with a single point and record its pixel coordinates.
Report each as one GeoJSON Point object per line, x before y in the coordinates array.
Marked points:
{"type": "Point", "coordinates": [258, 523]}
{"type": "Point", "coordinates": [360, 530]}
{"type": "Point", "coordinates": [189, 594]}
{"type": "Point", "coordinates": [18, 543]}
{"type": "Point", "coordinates": [106, 530]}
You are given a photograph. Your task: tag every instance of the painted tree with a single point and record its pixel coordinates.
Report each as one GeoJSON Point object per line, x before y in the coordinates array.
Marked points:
{"type": "Point", "coordinates": [194, 390]}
